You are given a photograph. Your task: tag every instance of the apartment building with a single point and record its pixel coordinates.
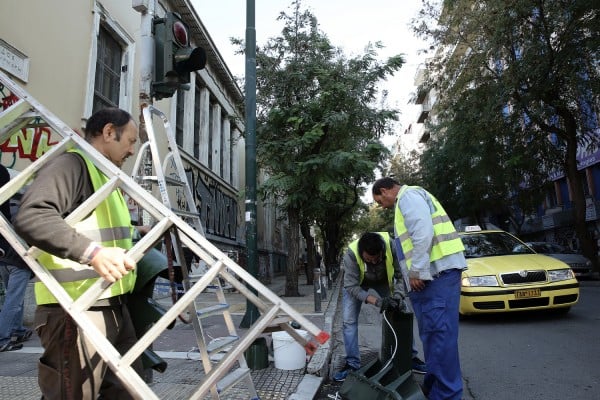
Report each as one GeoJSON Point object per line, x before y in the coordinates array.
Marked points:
{"type": "Point", "coordinates": [76, 57]}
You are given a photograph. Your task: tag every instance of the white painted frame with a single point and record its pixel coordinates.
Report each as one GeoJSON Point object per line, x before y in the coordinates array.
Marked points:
{"type": "Point", "coordinates": [102, 17]}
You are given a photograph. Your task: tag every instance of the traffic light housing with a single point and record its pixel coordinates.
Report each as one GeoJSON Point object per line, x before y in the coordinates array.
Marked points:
{"type": "Point", "coordinates": [174, 58]}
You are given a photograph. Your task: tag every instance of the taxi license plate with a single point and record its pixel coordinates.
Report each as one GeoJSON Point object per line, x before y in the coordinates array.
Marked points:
{"type": "Point", "coordinates": [525, 293]}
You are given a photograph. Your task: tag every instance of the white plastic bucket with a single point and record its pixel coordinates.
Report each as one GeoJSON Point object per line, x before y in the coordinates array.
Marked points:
{"type": "Point", "coordinates": [288, 353]}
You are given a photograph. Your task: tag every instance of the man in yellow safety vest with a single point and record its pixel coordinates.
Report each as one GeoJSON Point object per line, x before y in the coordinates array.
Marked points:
{"type": "Point", "coordinates": [77, 256]}
{"type": "Point", "coordinates": [432, 255]}
{"type": "Point", "coordinates": [371, 276]}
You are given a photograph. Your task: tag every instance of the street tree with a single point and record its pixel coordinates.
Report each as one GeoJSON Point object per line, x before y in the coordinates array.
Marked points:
{"type": "Point", "coordinates": [318, 129]}
{"type": "Point", "coordinates": [517, 86]}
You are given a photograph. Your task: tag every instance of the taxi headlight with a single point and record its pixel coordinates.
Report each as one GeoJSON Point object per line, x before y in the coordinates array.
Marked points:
{"type": "Point", "coordinates": [485, 280]}
{"type": "Point", "coordinates": [560, 274]}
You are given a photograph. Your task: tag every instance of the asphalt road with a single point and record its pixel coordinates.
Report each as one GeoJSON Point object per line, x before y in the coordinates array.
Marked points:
{"type": "Point", "coordinates": [529, 356]}
{"type": "Point", "coordinates": [534, 356]}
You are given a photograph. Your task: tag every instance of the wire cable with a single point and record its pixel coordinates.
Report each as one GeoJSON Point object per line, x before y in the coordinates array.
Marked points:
{"type": "Point", "coordinates": [395, 341]}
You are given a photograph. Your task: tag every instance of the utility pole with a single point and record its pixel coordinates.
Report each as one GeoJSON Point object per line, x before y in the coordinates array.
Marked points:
{"type": "Point", "coordinates": [252, 313]}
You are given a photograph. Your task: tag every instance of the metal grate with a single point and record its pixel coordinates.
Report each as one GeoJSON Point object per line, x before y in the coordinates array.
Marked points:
{"type": "Point", "coordinates": [526, 303]}
{"type": "Point", "coordinates": [568, 298]}
{"type": "Point", "coordinates": [489, 305]}
{"type": "Point", "coordinates": [524, 277]}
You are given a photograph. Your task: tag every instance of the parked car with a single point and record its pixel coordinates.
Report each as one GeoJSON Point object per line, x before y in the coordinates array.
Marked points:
{"type": "Point", "coordinates": [506, 275]}
{"type": "Point", "coordinates": [580, 264]}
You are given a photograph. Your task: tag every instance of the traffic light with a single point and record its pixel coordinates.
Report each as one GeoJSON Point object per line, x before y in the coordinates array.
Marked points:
{"type": "Point", "coordinates": [174, 59]}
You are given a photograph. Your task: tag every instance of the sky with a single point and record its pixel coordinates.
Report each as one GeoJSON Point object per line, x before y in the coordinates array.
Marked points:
{"type": "Point", "coordinates": [349, 24]}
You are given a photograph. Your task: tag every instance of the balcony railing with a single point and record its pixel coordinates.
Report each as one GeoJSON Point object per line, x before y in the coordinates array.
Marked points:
{"type": "Point", "coordinates": [424, 113]}
{"type": "Point", "coordinates": [558, 219]}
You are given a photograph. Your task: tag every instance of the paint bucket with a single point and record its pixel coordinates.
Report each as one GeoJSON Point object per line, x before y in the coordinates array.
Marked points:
{"type": "Point", "coordinates": [287, 353]}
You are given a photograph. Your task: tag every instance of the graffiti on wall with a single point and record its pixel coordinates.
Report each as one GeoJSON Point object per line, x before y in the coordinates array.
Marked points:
{"type": "Point", "coordinates": [28, 143]}
{"type": "Point", "coordinates": [218, 209]}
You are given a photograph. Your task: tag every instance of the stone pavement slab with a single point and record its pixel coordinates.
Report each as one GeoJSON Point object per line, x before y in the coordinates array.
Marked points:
{"type": "Point", "coordinates": [18, 369]}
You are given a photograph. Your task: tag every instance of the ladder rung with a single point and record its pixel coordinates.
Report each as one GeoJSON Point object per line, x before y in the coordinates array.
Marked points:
{"type": "Point", "coordinates": [168, 180]}
{"type": "Point", "coordinates": [232, 378]}
{"type": "Point", "coordinates": [221, 343]}
{"type": "Point", "coordinates": [275, 325]}
{"type": "Point", "coordinates": [208, 311]}
{"type": "Point", "coordinates": [195, 277]}
{"type": "Point", "coordinates": [183, 213]}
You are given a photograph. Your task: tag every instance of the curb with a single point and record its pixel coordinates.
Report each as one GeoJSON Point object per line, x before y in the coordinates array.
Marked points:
{"type": "Point", "coordinates": [318, 366]}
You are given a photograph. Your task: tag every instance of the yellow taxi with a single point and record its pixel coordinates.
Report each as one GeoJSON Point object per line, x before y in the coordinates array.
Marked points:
{"type": "Point", "coordinates": [506, 275]}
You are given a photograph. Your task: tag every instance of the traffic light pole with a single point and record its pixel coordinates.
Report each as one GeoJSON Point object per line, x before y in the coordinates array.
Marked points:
{"type": "Point", "coordinates": [252, 313]}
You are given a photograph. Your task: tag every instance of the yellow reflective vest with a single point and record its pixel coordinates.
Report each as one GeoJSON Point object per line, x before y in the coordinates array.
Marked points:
{"type": "Point", "coordinates": [389, 260]}
{"type": "Point", "coordinates": [445, 238]}
{"type": "Point", "coordinates": [110, 225]}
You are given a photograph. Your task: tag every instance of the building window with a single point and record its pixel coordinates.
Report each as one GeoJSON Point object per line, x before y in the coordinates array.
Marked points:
{"type": "Point", "coordinates": [222, 152]}
{"type": "Point", "coordinates": [197, 123]}
{"type": "Point", "coordinates": [211, 117]}
{"type": "Point", "coordinates": [179, 116]}
{"type": "Point", "coordinates": [111, 64]}
{"type": "Point", "coordinates": [107, 84]}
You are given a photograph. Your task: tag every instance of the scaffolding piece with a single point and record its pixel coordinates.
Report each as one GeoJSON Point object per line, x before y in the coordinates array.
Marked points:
{"type": "Point", "coordinates": [220, 377]}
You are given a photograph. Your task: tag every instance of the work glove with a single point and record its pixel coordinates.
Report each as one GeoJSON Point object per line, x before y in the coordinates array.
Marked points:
{"type": "Point", "coordinates": [399, 298]}
{"type": "Point", "coordinates": [388, 303]}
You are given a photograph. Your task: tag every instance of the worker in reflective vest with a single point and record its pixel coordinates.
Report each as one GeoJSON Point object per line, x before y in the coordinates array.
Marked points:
{"type": "Point", "coordinates": [369, 264]}
{"type": "Point", "coordinates": [77, 256]}
{"type": "Point", "coordinates": [109, 225]}
{"type": "Point", "coordinates": [432, 255]}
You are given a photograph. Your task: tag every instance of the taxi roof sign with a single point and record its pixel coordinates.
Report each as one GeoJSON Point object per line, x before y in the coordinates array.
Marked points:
{"type": "Point", "coordinates": [472, 228]}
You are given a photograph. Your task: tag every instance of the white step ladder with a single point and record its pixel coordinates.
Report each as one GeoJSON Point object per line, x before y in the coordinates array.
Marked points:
{"type": "Point", "coordinates": [274, 310]}
{"type": "Point", "coordinates": [190, 213]}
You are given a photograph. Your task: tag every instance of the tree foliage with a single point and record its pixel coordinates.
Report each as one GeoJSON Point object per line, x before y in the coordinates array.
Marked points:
{"type": "Point", "coordinates": [517, 94]}
{"type": "Point", "coordinates": [318, 128]}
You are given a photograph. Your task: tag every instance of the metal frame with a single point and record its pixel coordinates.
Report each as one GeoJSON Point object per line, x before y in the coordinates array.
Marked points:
{"type": "Point", "coordinates": [220, 264]}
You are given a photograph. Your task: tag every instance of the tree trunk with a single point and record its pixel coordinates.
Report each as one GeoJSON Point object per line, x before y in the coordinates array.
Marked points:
{"type": "Point", "coordinates": [291, 271]}
{"type": "Point", "coordinates": [588, 245]}
{"type": "Point", "coordinates": [332, 251]}
{"type": "Point", "coordinates": [311, 258]}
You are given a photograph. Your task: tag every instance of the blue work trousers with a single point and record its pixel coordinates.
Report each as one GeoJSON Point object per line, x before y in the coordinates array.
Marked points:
{"type": "Point", "coordinates": [11, 316]}
{"type": "Point", "coordinates": [351, 309]}
{"type": "Point", "coordinates": [436, 309]}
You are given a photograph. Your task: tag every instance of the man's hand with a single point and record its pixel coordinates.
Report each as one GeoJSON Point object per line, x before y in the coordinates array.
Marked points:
{"type": "Point", "coordinates": [399, 298]}
{"type": "Point", "coordinates": [417, 284]}
{"type": "Point", "coordinates": [111, 263]}
{"type": "Point", "coordinates": [387, 303]}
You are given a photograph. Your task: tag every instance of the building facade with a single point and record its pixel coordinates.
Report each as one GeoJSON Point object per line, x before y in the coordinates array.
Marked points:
{"type": "Point", "coordinates": [554, 219]}
{"type": "Point", "coordinates": [76, 57]}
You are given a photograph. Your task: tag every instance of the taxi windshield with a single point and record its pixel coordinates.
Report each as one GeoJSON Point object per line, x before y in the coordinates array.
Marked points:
{"type": "Point", "coordinates": [489, 244]}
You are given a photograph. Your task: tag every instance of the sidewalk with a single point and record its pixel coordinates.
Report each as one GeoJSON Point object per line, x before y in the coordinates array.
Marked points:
{"type": "Point", "coordinates": [18, 369]}
{"type": "Point", "coordinates": [370, 338]}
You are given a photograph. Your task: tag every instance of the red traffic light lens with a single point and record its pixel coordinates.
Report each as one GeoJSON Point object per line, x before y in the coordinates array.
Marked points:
{"type": "Point", "coordinates": [180, 33]}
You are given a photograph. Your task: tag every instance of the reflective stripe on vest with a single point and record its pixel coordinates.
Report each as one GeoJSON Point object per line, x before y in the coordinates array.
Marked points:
{"type": "Point", "coordinates": [110, 225]}
{"type": "Point", "coordinates": [389, 260]}
{"type": "Point", "coordinates": [445, 238]}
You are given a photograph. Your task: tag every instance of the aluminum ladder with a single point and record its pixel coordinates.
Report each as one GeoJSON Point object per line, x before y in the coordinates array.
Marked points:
{"type": "Point", "coordinates": [189, 212]}
{"type": "Point", "coordinates": [273, 309]}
